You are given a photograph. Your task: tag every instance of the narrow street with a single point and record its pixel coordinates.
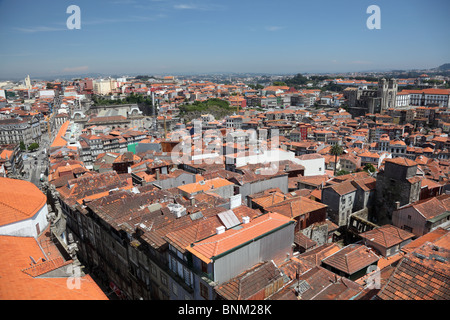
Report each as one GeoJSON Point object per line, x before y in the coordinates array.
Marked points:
{"type": "Point", "coordinates": [36, 163]}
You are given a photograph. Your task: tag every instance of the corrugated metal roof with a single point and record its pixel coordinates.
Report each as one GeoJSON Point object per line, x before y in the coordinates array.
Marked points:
{"type": "Point", "coordinates": [229, 219]}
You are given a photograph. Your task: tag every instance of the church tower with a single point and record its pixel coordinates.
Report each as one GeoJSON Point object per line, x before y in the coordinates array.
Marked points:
{"type": "Point", "coordinates": [28, 82]}
{"type": "Point", "coordinates": [387, 91]}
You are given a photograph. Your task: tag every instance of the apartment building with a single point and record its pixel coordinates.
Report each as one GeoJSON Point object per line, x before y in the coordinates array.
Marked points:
{"type": "Point", "coordinates": [427, 97]}
{"type": "Point", "coordinates": [16, 130]}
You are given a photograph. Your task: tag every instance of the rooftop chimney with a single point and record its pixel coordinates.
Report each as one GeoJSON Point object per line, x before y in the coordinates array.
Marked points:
{"type": "Point", "coordinates": [220, 230]}
{"type": "Point", "coordinates": [245, 220]}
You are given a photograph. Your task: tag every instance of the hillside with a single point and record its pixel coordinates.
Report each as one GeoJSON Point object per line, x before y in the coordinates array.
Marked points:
{"type": "Point", "coordinates": [218, 108]}
{"type": "Point", "coordinates": [445, 66]}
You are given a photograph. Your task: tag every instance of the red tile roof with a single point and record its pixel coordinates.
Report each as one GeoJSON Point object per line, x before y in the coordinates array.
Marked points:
{"type": "Point", "coordinates": [317, 254]}
{"type": "Point", "coordinates": [343, 187]}
{"type": "Point", "coordinates": [318, 284]}
{"type": "Point", "coordinates": [387, 235]}
{"type": "Point", "coordinates": [295, 207]}
{"type": "Point", "coordinates": [431, 236]}
{"type": "Point", "coordinates": [59, 141]}
{"type": "Point", "coordinates": [257, 283]}
{"type": "Point", "coordinates": [402, 161]}
{"type": "Point", "coordinates": [423, 274]}
{"type": "Point", "coordinates": [432, 207]}
{"type": "Point", "coordinates": [352, 258]}
{"type": "Point", "coordinates": [205, 185]}
{"type": "Point", "coordinates": [19, 280]}
{"type": "Point", "coordinates": [19, 200]}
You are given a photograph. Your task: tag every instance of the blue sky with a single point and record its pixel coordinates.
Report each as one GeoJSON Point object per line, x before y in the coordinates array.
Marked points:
{"type": "Point", "coordinates": [183, 36]}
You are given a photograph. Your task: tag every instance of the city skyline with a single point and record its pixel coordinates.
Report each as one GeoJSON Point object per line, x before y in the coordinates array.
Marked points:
{"type": "Point", "coordinates": [174, 37]}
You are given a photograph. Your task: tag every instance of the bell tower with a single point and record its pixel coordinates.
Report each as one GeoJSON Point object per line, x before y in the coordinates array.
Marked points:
{"type": "Point", "coordinates": [387, 91]}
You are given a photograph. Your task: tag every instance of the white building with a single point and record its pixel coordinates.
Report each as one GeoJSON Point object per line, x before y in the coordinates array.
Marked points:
{"type": "Point", "coordinates": [314, 164]}
{"type": "Point", "coordinates": [403, 99]}
{"type": "Point", "coordinates": [426, 97]}
{"type": "Point", "coordinates": [103, 87]}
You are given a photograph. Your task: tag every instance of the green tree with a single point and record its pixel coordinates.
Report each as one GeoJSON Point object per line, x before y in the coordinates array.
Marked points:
{"type": "Point", "coordinates": [256, 86]}
{"type": "Point", "coordinates": [279, 84]}
{"type": "Point", "coordinates": [369, 168]}
{"type": "Point", "coordinates": [22, 146]}
{"type": "Point", "coordinates": [336, 150]}
{"type": "Point", "coordinates": [341, 173]}
{"type": "Point", "coordinates": [34, 146]}
{"type": "Point", "coordinates": [297, 80]}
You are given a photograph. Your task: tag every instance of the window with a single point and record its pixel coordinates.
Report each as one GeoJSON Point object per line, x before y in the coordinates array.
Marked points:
{"type": "Point", "coordinates": [174, 289]}
{"type": "Point", "coordinates": [153, 268]}
{"type": "Point", "coordinates": [38, 230]}
{"type": "Point", "coordinates": [203, 290]}
{"type": "Point", "coordinates": [409, 217]}
{"type": "Point", "coordinates": [164, 279]}
{"type": "Point", "coordinates": [407, 228]}
{"type": "Point", "coordinates": [187, 276]}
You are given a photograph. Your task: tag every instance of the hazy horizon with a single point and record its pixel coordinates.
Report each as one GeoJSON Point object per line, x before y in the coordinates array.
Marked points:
{"type": "Point", "coordinates": [199, 36]}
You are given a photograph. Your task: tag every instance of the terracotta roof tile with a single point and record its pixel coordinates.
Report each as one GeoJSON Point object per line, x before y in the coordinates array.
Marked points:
{"type": "Point", "coordinates": [303, 241]}
{"type": "Point", "coordinates": [317, 254]}
{"type": "Point", "coordinates": [318, 284]}
{"type": "Point", "coordinates": [387, 235]}
{"type": "Point", "coordinates": [343, 187]}
{"type": "Point", "coordinates": [19, 200]}
{"type": "Point", "coordinates": [205, 185]}
{"type": "Point", "coordinates": [402, 161]}
{"type": "Point", "coordinates": [256, 283]}
{"type": "Point", "coordinates": [428, 237]}
{"type": "Point", "coordinates": [59, 141]}
{"type": "Point", "coordinates": [423, 274]}
{"type": "Point", "coordinates": [20, 281]}
{"type": "Point", "coordinates": [351, 258]}
{"type": "Point", "coordinates": [432, 207]}
{"type": "Point", "coordinates": [296, 206]}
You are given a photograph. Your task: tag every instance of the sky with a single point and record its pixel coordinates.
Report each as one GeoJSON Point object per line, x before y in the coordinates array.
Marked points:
{"type": "Point", "coordinates": [170, 37]}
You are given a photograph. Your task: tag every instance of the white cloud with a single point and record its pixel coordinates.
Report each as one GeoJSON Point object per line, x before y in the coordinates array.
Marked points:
{"type": "Point", "coordinates": [185, 6]}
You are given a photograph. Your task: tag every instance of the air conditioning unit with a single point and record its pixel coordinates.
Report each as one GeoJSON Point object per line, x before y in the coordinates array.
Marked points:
{"type": "Point", "coordinates": [220, 230]}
